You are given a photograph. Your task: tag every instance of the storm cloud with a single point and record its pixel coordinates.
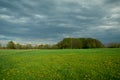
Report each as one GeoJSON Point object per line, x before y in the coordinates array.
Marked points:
{"type": "Point", "coordinates": [49, 21]}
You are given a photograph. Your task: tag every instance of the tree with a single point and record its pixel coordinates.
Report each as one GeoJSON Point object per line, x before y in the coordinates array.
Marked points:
{"type": "Point", "coordinates": [113, 45]}
{"type": "Point", "coordinates": [79, 43]}
{"type": "Point", "coordinates": [18, 46]}
{"type": "Point", "coordinates": [11, 45]}
{"type": "Point", "coordinates": [28, 46]}
{"type": "Point", "coordinates": [65, 43]}
{"type": "Point", "coordinates": [0, 46]}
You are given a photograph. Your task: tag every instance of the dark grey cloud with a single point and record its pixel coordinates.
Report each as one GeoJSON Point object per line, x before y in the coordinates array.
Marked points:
{"type": "Point", "coordinates": [112, 1]}
{"type": "Point", "coordinates": [49, 21]}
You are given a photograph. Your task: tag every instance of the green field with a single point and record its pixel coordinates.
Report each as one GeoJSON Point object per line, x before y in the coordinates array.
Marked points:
{"type": "Point", "coordinates": [66, 64]}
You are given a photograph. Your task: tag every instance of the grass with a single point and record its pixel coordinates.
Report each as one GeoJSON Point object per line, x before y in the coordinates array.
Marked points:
{"type": "Point", "coordinates": [76, 64]}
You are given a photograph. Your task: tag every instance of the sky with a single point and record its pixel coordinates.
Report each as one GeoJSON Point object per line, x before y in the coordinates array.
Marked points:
{"type": "Point", "coordinates": [49, 21]}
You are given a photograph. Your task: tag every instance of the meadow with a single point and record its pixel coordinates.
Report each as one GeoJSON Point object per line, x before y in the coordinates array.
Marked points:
{"type": "Point", "coordinates": [64, 64]}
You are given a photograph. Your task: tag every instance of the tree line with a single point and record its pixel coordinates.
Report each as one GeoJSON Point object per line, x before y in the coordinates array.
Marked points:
{"type": "Point", "coordinates": [79, 43]}
{"type": "Point", "coordinates": [66, 43]}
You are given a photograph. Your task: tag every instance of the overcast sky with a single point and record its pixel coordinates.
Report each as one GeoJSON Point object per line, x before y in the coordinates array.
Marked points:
{"type": "Point", "coordinates": [49, 21]}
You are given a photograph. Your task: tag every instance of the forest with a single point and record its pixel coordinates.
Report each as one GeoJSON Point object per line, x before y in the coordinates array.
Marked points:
{"type": "Point", "coordinates": [66, 43]}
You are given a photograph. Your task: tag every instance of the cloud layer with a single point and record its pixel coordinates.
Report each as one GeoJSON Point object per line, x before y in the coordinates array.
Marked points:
{"type": "Point", "coordinates": [49, 21]}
